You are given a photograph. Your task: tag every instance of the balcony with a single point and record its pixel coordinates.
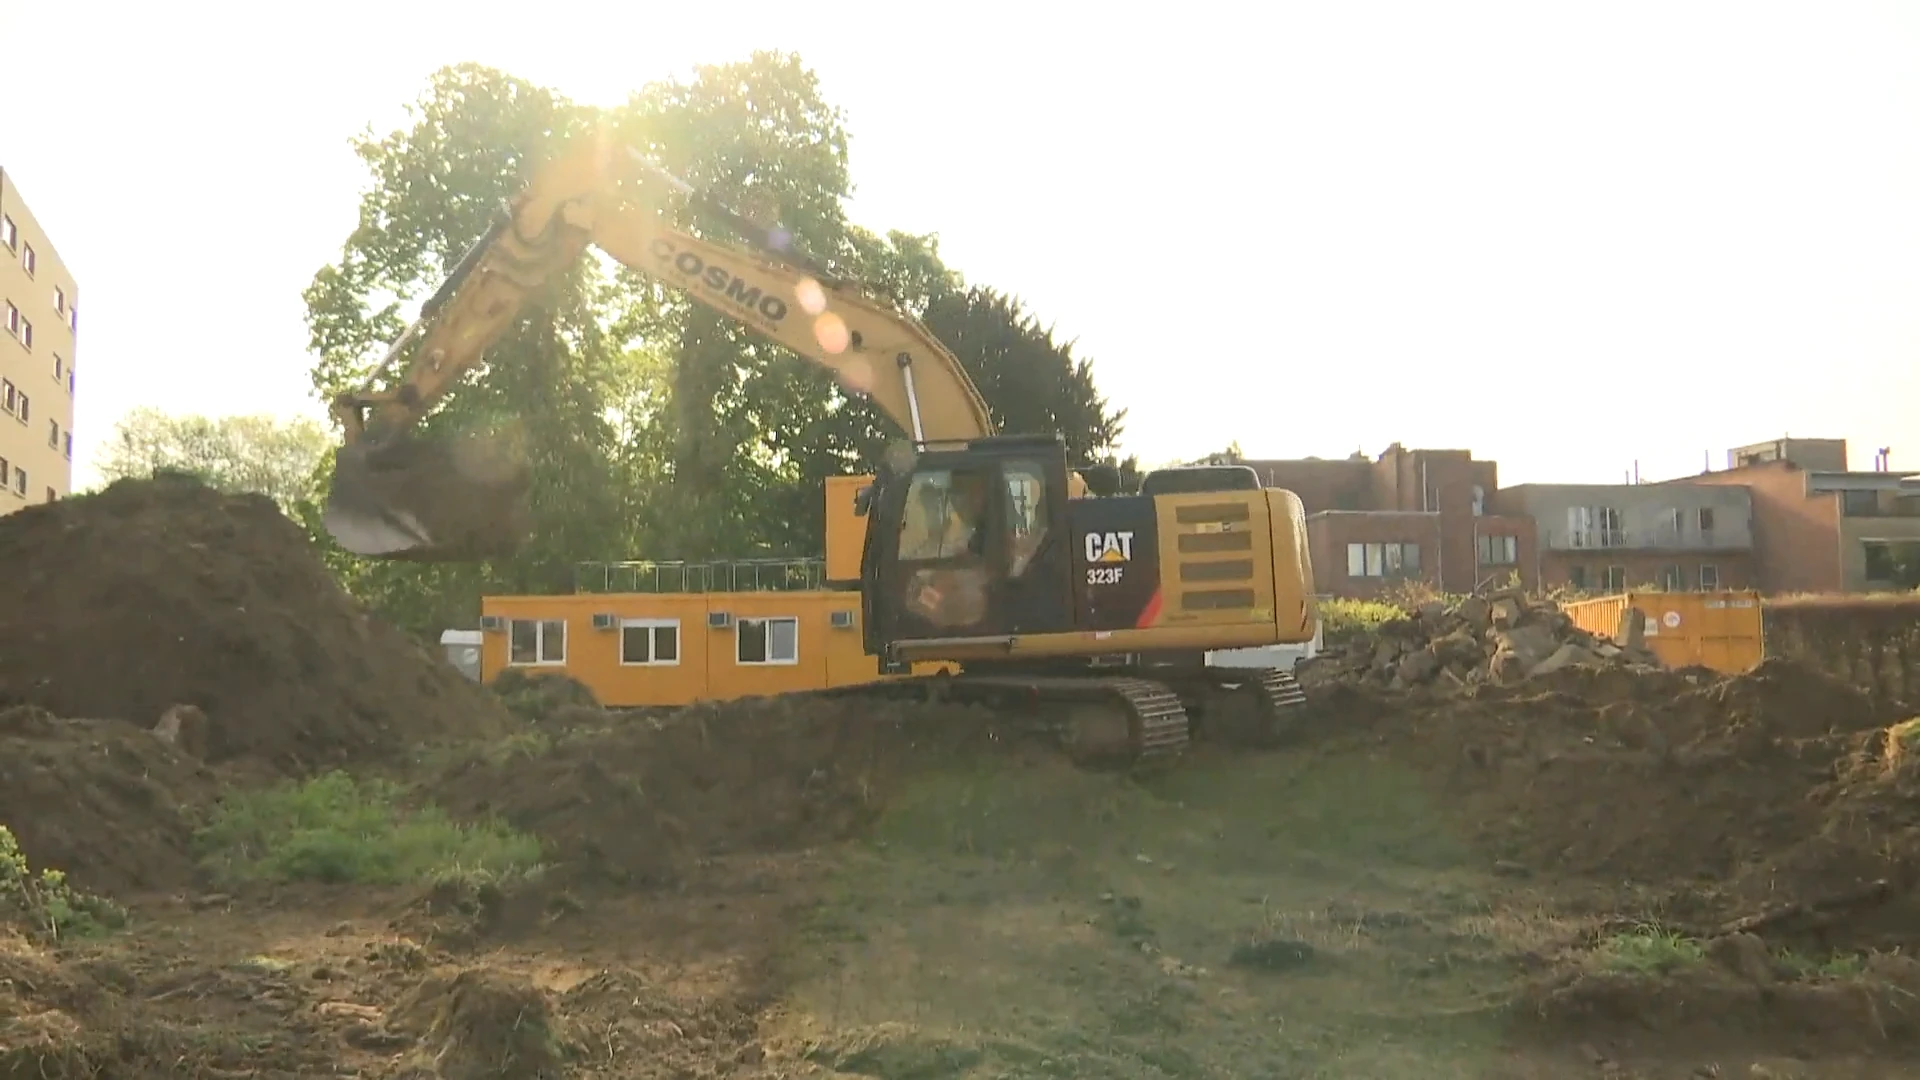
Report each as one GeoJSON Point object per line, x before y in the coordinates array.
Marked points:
{"type": "Point", "coordinates": [1656, 539]}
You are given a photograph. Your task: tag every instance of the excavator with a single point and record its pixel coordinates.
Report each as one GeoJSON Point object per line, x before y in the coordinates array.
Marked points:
{"type": "Point", "coordinates": [1091, 611]}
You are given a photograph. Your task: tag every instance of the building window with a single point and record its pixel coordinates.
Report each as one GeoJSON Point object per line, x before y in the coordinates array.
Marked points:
{"type": "Point", "coordinates": [73, 320]}
{"type": "Point", "coordinates": [26, 333]}
{"type": "Point", "coordinates": [20, 481]}
{"type": "Point", "coordinates": [1616, 579]}
{"type": "Point", "coordinates": [9, 396]}
{"type": "Point", "coordinates": [1892, 562]}
{"type": "Point", "coordinates": [13, 319]}
{"type": "Point", "coordinates": [1499, 550]}
{"type": "Point", "coordinates": [9, 235]}
{"type": "Point", "coordinates": [5, 470]}
{"type": "Point", "coordinates": [59, 300]}
{"type": "Point", "coordinates": [53, 434]}
{"type": "Point", "coordinates": [25, 411]}
{"type": "Point", "coordinates": [1860, 503]}
{"type": "Point", "coordinates": [1594, 527]}
{"type": "Point", "coordinates": [1709, 577]}
{"type": "Point", "coordinates": [767, 641]}
{"type": "Point", "coordinates": [534, 642]}
{"type": "Point", "coordinates": [649, 641]}
{"type": "Point", "coordinates": [59, 369]}
{"type": "Point", "coordinates": [69, 380]}
{"type": "Point", "coordinates": [28, 259]}
{"type": "Point", "coordinates": [67, 445]}
{"type": "Point", "coordinates": [1577, 576]}
{"type": "Point", "coordinates": [1706, 519]}
{"type": "Point", "coordinates": [1383, 560]}
{"type": "Point", "coordinates": [1672, 578]}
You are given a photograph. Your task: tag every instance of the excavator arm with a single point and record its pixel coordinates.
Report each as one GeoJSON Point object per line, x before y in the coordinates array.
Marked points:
{"type": "Point", "coordinates": [400, 498]}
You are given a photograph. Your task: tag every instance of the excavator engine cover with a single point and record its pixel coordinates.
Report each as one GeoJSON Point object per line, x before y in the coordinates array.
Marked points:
{"type": "Point", "coordinates": [429, 500]}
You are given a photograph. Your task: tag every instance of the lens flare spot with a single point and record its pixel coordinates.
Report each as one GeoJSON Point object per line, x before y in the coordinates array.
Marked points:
{"type": "Point", "coordinates": [831, 332]}
{"type": "Point", "coordinates": [813, 298]}
{"type": "Point", "coordinates": [857, 376]}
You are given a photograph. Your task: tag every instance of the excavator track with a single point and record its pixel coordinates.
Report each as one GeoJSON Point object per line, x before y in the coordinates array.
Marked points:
{"type": "Point", "coordinates": [1283, 701]}
{"type": "Point", "coordinates": [1097, 719]}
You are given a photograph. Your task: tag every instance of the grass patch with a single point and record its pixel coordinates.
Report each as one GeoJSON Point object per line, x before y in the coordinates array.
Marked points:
{"type": "Point", "coordinates": [1838, 966]}
{"type": "Point", "coordinates": [335, 829]}
{"type": "Point", "coordinates": [46, 903]}
{"type": "Point", "coordinates": [1650, 950]}
{"type": "Point", "coordinates": [1341, 620]}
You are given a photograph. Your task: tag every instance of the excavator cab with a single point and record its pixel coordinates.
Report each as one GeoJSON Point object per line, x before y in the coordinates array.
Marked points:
{"type": "Point", "coordinates": [969, 542]}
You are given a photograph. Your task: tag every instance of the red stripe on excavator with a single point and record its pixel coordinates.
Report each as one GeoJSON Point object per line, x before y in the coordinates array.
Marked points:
{"type": "Point", "coordinates": [1150, 612]}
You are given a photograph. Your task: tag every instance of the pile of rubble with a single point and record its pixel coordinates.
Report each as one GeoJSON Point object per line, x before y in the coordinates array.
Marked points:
{"type": "Point", "coordinates": [1501, 638]}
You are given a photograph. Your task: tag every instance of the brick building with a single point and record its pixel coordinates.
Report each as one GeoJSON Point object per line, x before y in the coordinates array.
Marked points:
{"type": "Point", "coordinates": [1819, 526]}
{"type": "Point", "coordinates": [1408, 515]}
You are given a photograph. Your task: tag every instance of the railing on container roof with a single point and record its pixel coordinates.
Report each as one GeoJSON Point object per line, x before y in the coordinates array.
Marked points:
{"type": "Point", "coordinates": [720, 576]}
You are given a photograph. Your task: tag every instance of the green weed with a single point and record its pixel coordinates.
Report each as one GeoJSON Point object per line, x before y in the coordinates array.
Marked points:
{"type": "Point", "coordinates": [336, 829]}
{"type": "Point", "coordinates": [1650, 950]}
{"type": "Point", "coordinates": [46, 902]}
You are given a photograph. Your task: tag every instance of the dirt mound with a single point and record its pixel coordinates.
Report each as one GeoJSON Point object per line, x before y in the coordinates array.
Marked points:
{"type": "Point", "coordinates": [98, 799]}
{"type": "Point", "coordinates": [1712, 800]}
{"type": "Point", "coordinates": [482, 1024]}
{"type": "Point", "coordinates": [1502, 639]}
{"type": "Point", "coordinates": [160, 592]}
{"type": "Point", "coordinates": [635, 801]}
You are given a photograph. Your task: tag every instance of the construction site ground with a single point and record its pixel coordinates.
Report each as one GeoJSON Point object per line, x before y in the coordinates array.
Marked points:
{"type": "Point", "coordinates": [346, 861]}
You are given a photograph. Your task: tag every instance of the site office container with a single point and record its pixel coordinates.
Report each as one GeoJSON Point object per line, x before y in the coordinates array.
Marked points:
{"type": "Point", "coordinates": [677, 648]}
{"type": "Point", "coordinates": [1718, 630]}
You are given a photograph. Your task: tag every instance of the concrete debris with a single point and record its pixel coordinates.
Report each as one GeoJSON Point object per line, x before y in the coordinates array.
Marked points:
{"type": "Point", "coordinates": [1502, 638]}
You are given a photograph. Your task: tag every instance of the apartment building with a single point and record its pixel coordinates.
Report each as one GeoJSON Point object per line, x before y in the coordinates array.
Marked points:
{"type": "Point", "coordinates": [1610, 537]}
{"type": "Point", "coordinates": [40, 314]}
{"type": "Point", "coordinates": [1818, 525]}
{"type": "Point", "coordinates": [1408, 515]}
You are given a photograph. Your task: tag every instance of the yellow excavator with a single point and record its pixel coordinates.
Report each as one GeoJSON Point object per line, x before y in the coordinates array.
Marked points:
{"type": "Point", "coordinates": [1093, 611]}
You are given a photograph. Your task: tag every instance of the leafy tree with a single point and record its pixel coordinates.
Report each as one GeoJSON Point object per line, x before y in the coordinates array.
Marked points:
{"type": "Point", "coordinates": [654, 424]}
{"type": "Point", "coordinates": [264, 454]}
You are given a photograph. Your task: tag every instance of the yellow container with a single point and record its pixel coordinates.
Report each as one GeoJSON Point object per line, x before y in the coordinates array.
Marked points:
{"type": "Point", "coordinates": [677, 648]}
{"type": "Point", "coordinates": [1718, 630]}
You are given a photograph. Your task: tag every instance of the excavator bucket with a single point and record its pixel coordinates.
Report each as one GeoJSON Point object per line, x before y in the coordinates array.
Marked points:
{"type": "Point", "coordinates": [459, 500]}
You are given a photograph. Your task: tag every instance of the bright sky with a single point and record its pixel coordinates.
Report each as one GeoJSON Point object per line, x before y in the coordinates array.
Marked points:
{"type": "Point", "coordinates": [1566, 236]}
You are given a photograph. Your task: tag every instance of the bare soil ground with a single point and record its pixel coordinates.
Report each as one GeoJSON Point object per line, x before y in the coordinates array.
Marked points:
{"type": "Point", "coordinates": [1590, 875]}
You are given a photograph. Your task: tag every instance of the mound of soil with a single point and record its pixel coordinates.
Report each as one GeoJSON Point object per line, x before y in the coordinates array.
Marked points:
{"type": "Point", "coordinates": [637, 801]}
{"type": "Point", "coordinates": [99, 799]}
{"type": "Point", "coordinates": [1727, 798]}
{"type": "Point", "coordinates": [160, 592]}
{"type": "Point", "coordinates": [480, 1024]}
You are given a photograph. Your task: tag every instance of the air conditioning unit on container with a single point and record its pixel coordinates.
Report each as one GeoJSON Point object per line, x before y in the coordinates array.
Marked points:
{"type": "Point", "coordinates": [842, 620]}
{"type": "Point", "coordinates": [719, 620]}
{"type": "Point", "coordinates": [606, 621]}
{"type": "Point", "coordinates": [493, 623]}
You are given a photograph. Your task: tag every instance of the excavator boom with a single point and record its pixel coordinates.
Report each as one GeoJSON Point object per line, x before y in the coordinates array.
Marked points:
{"type": "Point", "coordinates": [466, 497]}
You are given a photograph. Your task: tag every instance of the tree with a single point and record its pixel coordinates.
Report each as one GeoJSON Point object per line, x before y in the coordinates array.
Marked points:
{"type": "Point", "coordinates": [264, 454]}
{"type": "Point", "coordinates": [654, 425]}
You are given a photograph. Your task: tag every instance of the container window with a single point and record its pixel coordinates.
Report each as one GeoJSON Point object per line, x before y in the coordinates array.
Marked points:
{"type": "Point", "coordinates": [534, 642]}
{"type": "Point", "coordinates": [649, 642]}
{"type": "Point", "coordinates": [767, 641]}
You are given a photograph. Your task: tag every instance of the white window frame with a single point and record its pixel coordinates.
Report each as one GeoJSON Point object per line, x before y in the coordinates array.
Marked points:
{"type": "Point", "coordinates": [29, 259]}
{"type": "Point", "coordinates": [541, 626]}
{"type": "Point", "coordinates": [24, 407]}
{"type": "Point", "coordinates": [1382, 560]}
{"type": "Point", "coordinates": [59, 368]}
{"type": "Point", "coordinates": [13, 319]}
{"type": "Point", "coordinates": [26, 334]}
{"type": "Point", "coordinates": [9, 233]}
{"type": "Point", "coordinates": [1608, 577]}
{"type": "Point", "coordinates": [654, 626]}
{"type": "Point", "coordinates": [768, 621]}
{"type": "Point", "coordinates": [20, 484]}
{"type": "Point", "coordinates": [59, 301]}
{"type": "Point", "coordinates": [53, 433]}
{"type": "Point", "coordinates": [66, 448]}
{"type": "Point", "coordinates": [1498, 549]}
{"type": "Point", "coordinates": [1709, 570]}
